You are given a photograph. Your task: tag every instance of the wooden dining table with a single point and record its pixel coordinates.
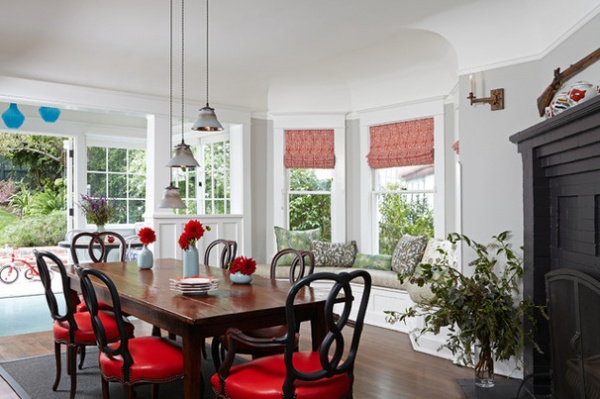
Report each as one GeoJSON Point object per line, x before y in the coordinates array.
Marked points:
{"type": "Point", "coordinates": [146, 294]}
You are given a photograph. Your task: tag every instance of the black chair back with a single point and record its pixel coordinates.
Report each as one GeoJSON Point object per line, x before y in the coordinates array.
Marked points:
{"type": "Point", "coordinates": [42, 259]}
{"type": "Point", "coordinates": [227, 253]}
{"type": "Point", "coordinates": [91, 300]}
{"type": "Point", "coordinates": [298, 269]}
{"type": "Point", "coordinates": [335, 363]}
{"type": "Point", "coordinates": [96, 245]}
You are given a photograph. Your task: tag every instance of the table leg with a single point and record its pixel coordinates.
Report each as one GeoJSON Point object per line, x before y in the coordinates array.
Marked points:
{"type": "Point", "coordinates": [192, 365]}
{"type": "Point", "coordinates": [318, 328]}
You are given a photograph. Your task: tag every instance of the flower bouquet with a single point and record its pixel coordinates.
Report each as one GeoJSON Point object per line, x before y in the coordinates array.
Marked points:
{"type": "Point", "coordinates": [241, 269]}
{"type": "Point", "coordinates": [98, 209]}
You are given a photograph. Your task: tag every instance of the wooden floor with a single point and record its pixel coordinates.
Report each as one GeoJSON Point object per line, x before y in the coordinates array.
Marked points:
{"type": "Point", "coordinates": [387, 366]}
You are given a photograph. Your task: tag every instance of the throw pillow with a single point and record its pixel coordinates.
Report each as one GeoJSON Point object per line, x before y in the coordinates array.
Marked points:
{"type": "Point", "coordinates": [440, 252]}
{"type": "Point", "coordinates": [300, 240]}
{"type": "Point", "coordinates": [334, 254]}
{"type": "Point", "coordinates": [408, 253]}
{"type": "Point", "coordinates": [377, 262]}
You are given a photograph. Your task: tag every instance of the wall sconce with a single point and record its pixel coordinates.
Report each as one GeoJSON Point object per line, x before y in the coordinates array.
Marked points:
{"type": "Point", "coordinates": [496, 98]}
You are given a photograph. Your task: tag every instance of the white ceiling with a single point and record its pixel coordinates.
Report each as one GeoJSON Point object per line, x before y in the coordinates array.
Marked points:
{"type": "Point", "coordinates": [280, 55]}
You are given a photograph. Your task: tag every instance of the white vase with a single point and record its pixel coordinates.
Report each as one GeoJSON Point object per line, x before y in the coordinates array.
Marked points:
{"type": "Point", "coordinates": [145, 258]}
{"type": "Point", "coordinates": [239, 278]}
{"type": "Point", "coordinates": [191, 262]}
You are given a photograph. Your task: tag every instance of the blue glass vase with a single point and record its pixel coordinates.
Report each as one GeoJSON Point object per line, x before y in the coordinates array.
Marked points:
{"type": "Point", "coordinates": [145, 259]}
{"type": "Point", "coordinates": [191, 262]}
{"type": "Point", "coordinates": [49, 114]}
{"type": "Point", "coordinates": [13, 118]}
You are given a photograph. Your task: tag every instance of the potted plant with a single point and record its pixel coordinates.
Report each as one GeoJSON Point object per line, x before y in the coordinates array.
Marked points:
{"type": "Point", "coordinates": [98, 209]}
{"type": "Point", "coordinates": [480, 308]}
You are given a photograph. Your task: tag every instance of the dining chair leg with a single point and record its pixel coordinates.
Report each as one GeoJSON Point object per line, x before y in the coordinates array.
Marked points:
{"type": "Point", "coordinates": [154, 392]}
{"type": "Point", "coordinates": [105, 391]}
{"type": "Point", "coordinates": [216, 353]}
{"type": "Point", "coordinates": [81, 356]}
{"type": "Point", "coordinates": [72, 366]}
{"type": "Point", "coordinates": [129, 392]}
{"type": "Point", "coordinates": [57, 356]}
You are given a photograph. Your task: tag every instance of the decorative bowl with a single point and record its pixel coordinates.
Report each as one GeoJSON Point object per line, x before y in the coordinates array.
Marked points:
{"type": "Point", "coordinates": [239, 278]}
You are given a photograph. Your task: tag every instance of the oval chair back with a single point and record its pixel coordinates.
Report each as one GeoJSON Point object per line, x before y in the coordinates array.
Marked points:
{"type": "Point", "coordinates": [96, 244]}
{"type": "Point", "coordinates": [227, 253]}
{"type": "Point", "coordinates": [303, 263]}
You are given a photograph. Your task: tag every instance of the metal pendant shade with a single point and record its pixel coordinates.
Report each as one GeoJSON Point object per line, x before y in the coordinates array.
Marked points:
{"type": "Point", "coordinates": [171, 198]}
{"type": "Point", "coordinates": [207, 119]}
{"type": "Point", "coordinates": [183, 158]}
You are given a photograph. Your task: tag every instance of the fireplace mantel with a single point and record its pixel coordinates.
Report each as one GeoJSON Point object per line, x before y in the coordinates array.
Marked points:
{"type": "Point", "coordinates": [561, 209]}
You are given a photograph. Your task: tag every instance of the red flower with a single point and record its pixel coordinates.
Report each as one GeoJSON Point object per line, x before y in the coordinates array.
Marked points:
{"type": "Point", "coordinates": [147, 235]}
{"type": "Point", "coordinates": [243, 265]}
{"type": "Point", "coordinates": [192, 231]}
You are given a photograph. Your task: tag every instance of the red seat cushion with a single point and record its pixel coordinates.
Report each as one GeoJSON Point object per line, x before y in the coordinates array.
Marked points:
{"type": "Point", "coordinates": [154, 360]}
{"type": "Point", "coordinates": [82, 307]}
{"type": "Point", "coordinates": [263, 379]}
{"type": "Point", "coordinates": [85, 332]}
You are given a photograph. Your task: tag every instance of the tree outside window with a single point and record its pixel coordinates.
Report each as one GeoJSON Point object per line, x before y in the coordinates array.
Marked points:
{"type": "Point", "coordinates": [309, 200]}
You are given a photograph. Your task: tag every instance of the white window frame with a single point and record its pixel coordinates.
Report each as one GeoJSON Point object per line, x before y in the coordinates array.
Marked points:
{"type": "Point", "coordinates": [434, 109]}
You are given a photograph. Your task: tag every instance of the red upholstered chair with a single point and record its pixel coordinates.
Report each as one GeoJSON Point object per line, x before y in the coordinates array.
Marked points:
{"type": "Point", "coordinates": [228, 252]}
{"type": "Point", "coordinates": [297, 270]}
{"type": "Point", "coordinates": [130, 361]}
{"type": "Point", "coordinates": [326, 373]}
{"type": "Point", "coordinates": [71, 328]}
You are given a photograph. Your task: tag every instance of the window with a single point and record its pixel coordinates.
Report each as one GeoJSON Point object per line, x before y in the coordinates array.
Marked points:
{"type": "Point", "coordinates": [401, 158]}
{"type": "Point", "coordinates": [309, 200]}
{"type": "Point", "coordinates": [207, 189]}
{"type": "Point", "coordinates": [119, 173]}
{"type": "Point", "coordinates": [310, 159]}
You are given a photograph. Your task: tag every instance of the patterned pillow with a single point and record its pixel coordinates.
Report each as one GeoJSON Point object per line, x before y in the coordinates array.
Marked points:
{"type": "Point", "coordinates": [334, 254]}
{"type": "Point", "coordinates": [408, 253]}
{"type": "Point", "coordinates": [377, 262]}
{"type": "Point", "coordinates": [294, 239]}
{"type": "Point", "coordinates": [433, 256]}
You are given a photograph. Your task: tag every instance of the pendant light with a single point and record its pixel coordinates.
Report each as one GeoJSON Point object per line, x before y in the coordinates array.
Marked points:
{"type": "Point", "coordinates": [171, 197]}
{"type": "Point", "coordinates": [207, 119]}
{"type": "Point", "coordinates": [184, 158]}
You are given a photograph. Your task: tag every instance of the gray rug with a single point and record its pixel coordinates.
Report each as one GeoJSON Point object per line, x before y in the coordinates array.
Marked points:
{"type": "Point", "coordinates": [32, 378]}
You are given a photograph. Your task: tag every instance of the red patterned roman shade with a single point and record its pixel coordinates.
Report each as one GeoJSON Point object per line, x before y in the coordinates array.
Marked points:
{"type": "Point", "coordinates": [309, 149]}
{"type": "Point", "coordinates": [401, 144]}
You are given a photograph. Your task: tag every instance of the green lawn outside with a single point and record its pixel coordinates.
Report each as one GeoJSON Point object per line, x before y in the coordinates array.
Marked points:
{"type": "Point", "coordinates": [6, 218]}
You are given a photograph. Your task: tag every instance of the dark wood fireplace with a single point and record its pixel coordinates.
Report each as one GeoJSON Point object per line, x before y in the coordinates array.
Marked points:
{"type": "Point", "coordinates": [561, 198]}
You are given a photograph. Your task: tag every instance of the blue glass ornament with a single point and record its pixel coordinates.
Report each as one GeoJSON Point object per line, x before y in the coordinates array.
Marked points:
{"type": "Point", "coordinates": [13, 118]}
{"type": "Point", "coordinates": [49, 114]}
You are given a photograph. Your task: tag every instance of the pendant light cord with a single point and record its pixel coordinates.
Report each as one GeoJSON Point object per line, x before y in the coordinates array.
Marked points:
{"type": "Point", "coordinates": [170, 76]}
{"type": "Point", "coordinates": [182, 67]}
{"type": "Point", "coordinates": [207, 53]}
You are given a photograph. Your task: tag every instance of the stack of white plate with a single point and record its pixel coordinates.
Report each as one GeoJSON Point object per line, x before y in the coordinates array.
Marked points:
{"type": "Point", "coordinates": [193, 285]}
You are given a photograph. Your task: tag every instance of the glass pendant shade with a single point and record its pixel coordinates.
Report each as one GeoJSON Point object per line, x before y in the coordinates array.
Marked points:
{"type": "Point", "coordinates": [207, 121]}
{"type": "Point", "coordinates": [49, 114]}
{"type": "Point", "coordinates": [13, 117]}
{"type": "Point", "coordinates": [171, 198]}
{"type": "Point", "coordinates": [184, 158]}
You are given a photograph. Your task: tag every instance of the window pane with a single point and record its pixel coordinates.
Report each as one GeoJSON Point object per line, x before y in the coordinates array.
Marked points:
{"type": "Point", "coordinates": [96, 159]}
{"type": "Point", "coordinates": [136, 210]}
{"type": "Point", "coordinates": [117, 186]}
{"type": "Point", "coordinates": [117, 159]}
{"type": "Point", "coordinates": [400, 214]}
{"type": "Point", "coordinates": [309, 211]}
{"type": "Point", "coordinates": [406, 178]}
{"type": "Point", "coordinates": [96, 183]}
{"type": "Point", "coordinates": [121, 215]}
{"type": "Point", "coordinates": [208, 207]}
{"type": "Point", "coordinates": [311, 179]}
{"type": "Point", "coordinates": [137, 186]}
{"type": "Point", "coordinates": [137, 161]}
